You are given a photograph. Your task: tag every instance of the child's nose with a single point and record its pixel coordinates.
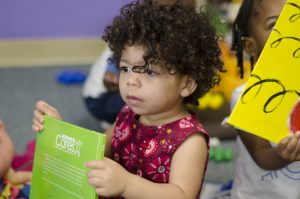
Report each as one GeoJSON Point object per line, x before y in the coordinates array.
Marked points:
{"type": "Point", "coordinates": [133, 79]}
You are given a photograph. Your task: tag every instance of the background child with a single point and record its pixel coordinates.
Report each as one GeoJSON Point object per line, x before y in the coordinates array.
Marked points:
{"type": "Point", "coordinates": [168, 56]}
{"type": "Point", "coordinates": [263, 170]}
{"type": "Point", "coordinates": [6, 150]}
{"type": "Point", "coordinates": [8, 177]}
{"type": "Point", "coordinates": [101, 90]}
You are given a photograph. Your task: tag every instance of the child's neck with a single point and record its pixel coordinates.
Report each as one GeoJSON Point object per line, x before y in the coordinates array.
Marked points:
{"type": "Point", "coordinates": [164, 117]}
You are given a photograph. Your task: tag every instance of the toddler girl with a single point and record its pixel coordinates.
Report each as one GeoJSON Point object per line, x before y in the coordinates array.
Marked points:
{"type": "Point", "coordinates": [168, 56]}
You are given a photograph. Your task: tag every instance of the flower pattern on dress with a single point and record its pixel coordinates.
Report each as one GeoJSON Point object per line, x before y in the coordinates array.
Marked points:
{"type": "Point", "coordinates": [151, 148]}
{"type": "Point", "coordinates": [185, 123]}
{"type": "Point", "coordinates": [139, 134]}
{"type": "Point", "coordinates": [116, 157]}
{"type": "Point", "coordinates": [129, 155]}
{"type": "Point", "coordinates": [169, 145]}
{"type": "Point", "coordinates": [122, 134]}
{"type": "Point", "coordinates": [139, 172]}
{"type": "Point", "coordinates": [159, 169]}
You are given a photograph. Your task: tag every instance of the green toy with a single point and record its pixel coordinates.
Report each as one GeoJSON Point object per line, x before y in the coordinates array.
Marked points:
{"type": "Point", "coordinates": [220, 154]}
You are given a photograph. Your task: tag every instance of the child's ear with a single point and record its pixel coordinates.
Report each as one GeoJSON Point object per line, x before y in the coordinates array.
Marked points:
{"type": "Point", "coordinates": [250, 46]}
{"type": "Point", "coordinates": [189, 85]}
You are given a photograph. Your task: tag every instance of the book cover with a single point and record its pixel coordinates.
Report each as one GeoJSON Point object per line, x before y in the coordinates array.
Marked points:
{"type": "Point", "coordinates": [61, 152]}
{"type": "Point", "coordinates": [269, 105]}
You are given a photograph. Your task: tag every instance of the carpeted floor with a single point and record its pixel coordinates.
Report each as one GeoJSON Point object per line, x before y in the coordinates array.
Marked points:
{"type": "Point", "coordinates": [20, 88]}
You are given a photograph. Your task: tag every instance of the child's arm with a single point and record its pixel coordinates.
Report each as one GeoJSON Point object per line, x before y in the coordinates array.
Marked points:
{"type": "Point", "coordinates": [186, 175]}
{"type": "Point", "coordinates": [41, 109]}
{"type": "Point", "coordinates": [267, 157]}
{"type": "Point", "coordinates": [7, 150]}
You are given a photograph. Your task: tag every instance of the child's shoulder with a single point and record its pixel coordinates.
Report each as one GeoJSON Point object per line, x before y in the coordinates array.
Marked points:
{"type": "Point", "coordinates": [187, 125]}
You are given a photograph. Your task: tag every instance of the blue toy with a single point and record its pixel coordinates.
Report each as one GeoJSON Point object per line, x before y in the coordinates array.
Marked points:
{"type": "Point", "coordinates": [68, 77]}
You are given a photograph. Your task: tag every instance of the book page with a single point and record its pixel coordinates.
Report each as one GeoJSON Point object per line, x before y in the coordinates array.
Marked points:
{"type": "Point", "coordinates": [269, 106]}
{"type": "Point", "coordinates": [61, 152]}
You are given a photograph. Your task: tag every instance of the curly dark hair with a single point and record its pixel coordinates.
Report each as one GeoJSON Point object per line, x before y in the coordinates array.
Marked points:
{"type": "Point", "coordinates": [240, 30]}
{"type": "Point", "coordinates": [175, 34]}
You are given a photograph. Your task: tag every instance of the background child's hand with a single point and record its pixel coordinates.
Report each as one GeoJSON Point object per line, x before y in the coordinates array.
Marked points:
{"type": "Point", "coordinates": [108, 177]}
{"type": "Point", "coordinates": [289, 147]}
{"type": "Point", "coordinates": [41, 109]}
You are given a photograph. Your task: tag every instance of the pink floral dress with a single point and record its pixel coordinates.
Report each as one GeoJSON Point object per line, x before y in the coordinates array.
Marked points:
{"type": "Point", "coordinates": [147, 150]}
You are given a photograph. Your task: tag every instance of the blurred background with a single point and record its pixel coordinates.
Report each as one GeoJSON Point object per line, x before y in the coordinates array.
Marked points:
{"type": "Point", "coordinates": [35, 33]}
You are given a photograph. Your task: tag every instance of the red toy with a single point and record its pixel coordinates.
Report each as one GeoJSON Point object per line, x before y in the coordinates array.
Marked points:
{"type": "Point", "coordinates": [294, 120]}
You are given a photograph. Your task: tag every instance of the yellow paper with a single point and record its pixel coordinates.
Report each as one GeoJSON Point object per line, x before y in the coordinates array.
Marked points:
{"type": "Point", "coordinates": [273, 90]}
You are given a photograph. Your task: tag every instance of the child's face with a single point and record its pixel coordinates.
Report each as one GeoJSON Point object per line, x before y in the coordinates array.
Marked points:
{"type": "Point", "coordinates": [265, 14]}
{"type": "Point", "coordinates": [153, 92]}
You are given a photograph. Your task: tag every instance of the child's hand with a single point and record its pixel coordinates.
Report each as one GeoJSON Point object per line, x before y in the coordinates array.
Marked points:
{"type": "Point", "coordinates": [108, 177]}
{"type": "Point", "coordinates": [289, 147]}
{"type": "Point", "coordinates": [41, 109]}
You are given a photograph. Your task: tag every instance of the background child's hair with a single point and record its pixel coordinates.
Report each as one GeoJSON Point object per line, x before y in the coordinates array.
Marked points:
{"type": "Point", "coordinates": [240, 30]}
{"type": "Point", "coordinates": [175, 35]}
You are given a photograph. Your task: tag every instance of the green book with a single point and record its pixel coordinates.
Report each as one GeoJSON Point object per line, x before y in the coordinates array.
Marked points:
{"type": "Point", "coordinates": [59, 161]}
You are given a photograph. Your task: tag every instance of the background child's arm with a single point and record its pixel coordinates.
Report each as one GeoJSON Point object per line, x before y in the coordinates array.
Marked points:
{"type": "Point", "coordinates": [7, 150]}
{"type": "Point", "coordinates": [267, 157]}
{"type": "Point", "coordinates": [186, 175]}
{"type": "Point", "coordinates": [19, 177]}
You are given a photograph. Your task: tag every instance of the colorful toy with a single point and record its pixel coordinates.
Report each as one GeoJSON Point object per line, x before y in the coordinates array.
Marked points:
{"type": "Point", "coordinates": [220, 154]}
{"type": "Point", "coordinates": [294, 120]}
{"type": "Point", "coordinates": [68, 77]}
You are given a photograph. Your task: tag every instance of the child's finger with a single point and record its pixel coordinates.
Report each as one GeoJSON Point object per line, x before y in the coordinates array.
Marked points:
{"type": "Point", "coordinates": [95, 164]}
{"type": "Point", "coordinates": [95, 181]}
{"type": "Point", "coordinates": [38, 115]}
{"type": "Point", "coordinates": [295, 154]}
{"type": "Point", "coordinates": [36, 125]}
{"type": "Point", "coordinates": [283, 143]}
{"type": "Point", "coordinates": [34, 128]}
{"type": "Point", "coordinates": [291, 147]}
{"type": "Point", "coordinates": [95, 173]}
{"type": "Point", "coordinates": [45, 108]}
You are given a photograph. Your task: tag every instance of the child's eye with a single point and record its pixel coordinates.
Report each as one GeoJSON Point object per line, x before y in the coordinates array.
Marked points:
{"type": "Point", "coordinates": [150, 72]}
{"type": "Point", "coordinates": [124, 68]}
{"type": "Point", "coordinates": [271, 25]}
